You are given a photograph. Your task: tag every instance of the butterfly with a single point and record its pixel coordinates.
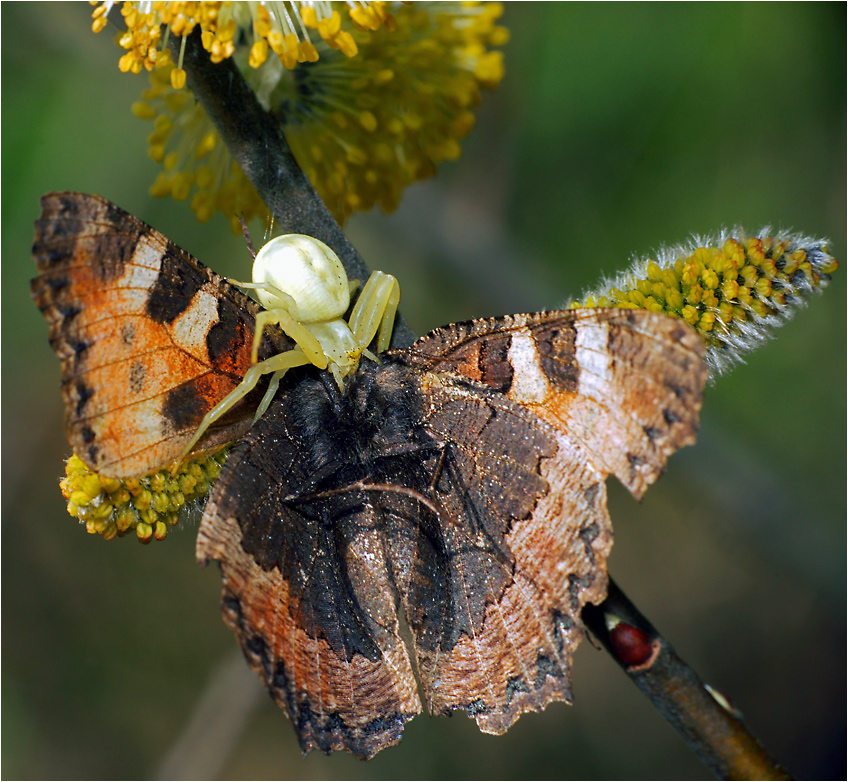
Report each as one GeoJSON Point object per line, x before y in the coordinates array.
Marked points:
{"type": "Point", "coordinates": [425, 537]}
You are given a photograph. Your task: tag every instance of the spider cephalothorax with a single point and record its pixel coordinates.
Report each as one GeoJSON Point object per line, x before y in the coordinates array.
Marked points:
{"type": "Point", "coordinates": [304, 288]}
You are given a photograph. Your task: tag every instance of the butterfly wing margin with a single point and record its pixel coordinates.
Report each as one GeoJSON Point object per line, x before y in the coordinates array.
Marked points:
{"type": "Point", "coordinates": [526, 535]}
{"type": "Point", "coordinates": [149, 339]}
{"type": "Point", "coordinates": [308, 592]}
{"type": "Point", "coordinates": [624, 384]}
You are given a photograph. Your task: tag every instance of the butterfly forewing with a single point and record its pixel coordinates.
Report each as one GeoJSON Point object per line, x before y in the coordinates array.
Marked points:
{"type": "Point", "coordinates": [149, 339]}
{"type": "Point", "coordinates": [624, 384]}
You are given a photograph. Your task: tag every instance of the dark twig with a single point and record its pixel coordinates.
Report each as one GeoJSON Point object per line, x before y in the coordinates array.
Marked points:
{"type": "Point", "coordinates": [711, 727]}
{"type": "Point", "coordinates": [254, 138]}
{"type": "Point", "coordinates": [714, 732]}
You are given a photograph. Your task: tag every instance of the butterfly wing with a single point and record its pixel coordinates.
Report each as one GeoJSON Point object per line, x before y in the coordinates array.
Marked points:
{"type": "Point", "coordinates": [571, 396]}
{"type": "Point", "coordinates": [625, 385]}
{"type": "Point", "coordinates": [308, 587]}
{"type": "Point", "coordinates": [149, 339]}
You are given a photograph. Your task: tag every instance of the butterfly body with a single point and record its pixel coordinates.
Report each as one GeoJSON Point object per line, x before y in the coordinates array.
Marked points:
{"type": "Point", "coordinates": [456, 489]}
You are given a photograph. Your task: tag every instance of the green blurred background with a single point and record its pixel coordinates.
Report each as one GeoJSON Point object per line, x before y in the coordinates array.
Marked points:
{"type": "Point", "coordinates": [618, 128]}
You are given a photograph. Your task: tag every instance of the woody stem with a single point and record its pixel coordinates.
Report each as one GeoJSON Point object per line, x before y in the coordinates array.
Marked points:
{"type": "Point", "coordinates": [255, 140]}
{"type": "Point", "coordinates": [711, 728]}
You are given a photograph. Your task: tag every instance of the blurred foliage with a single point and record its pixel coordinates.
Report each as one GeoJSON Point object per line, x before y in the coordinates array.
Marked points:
{"type": "Point", "coordinates": [618, 128]}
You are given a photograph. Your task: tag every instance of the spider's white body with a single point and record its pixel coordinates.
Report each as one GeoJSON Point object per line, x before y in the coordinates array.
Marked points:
{"type": "Point", "coordinates": [309, 273]}
{"type": "Point", "coordinates": [304, 288]}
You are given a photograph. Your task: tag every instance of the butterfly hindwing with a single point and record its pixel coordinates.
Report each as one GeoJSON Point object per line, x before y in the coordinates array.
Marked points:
{"type": "Point", "coordinates": [308, 577]}
{"type": "Point", "coordinates": [149, 339]}
{"type": "Point", "coordinates": [520, 556]}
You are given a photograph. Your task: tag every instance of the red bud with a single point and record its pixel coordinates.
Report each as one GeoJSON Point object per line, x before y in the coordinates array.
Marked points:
{"type": "Point", "coordinates": [630, 645]}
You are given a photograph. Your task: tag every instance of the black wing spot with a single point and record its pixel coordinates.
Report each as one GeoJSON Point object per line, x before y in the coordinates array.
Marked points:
{"type": "Point", "coordinates": [138, 372]}
{"type": "Point", "coordinates": [225, 338]}
{"type": "Point", "coordinates": [184, 408]}
{"type": "Point", "coordinates": [127, 334]}
{"type": "Point", "coordinates": [495, 367]}
{"type": "Point", "coordinates": [84, 393]}
{"type": "Point", "coordinates": [652, 432]}
{"type": "Point", "coordinates": [177, 284]}
{"type": "Point", "coordinates": [671, 417]}
{"type": "Point", "coordinates": [546, 667]}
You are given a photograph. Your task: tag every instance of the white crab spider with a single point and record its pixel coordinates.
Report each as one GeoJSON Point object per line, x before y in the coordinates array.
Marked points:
{"type": "Point", "coordinates": [304, 288]}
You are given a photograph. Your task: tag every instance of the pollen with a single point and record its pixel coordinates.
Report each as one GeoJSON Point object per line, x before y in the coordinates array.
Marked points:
{"type": "Point", "coordinates": [148, 506]}
{"type": "Point", "coordinates": [282, 27]}
{"type": "Point", "coordinates": [362, 128]}
{"type": "Point", "coordinates": [735, 289]}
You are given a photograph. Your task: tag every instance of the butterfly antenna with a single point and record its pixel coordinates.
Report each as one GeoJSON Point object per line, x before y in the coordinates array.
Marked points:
{"type": "Point", "coordinates": [247, 240]}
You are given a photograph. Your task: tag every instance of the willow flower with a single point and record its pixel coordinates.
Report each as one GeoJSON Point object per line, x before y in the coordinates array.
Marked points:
{"type": "Point", "coordinates": [279, 28]}
{"type": "Point", "coordinates": [735, 289]}
{"type": "Point", "coordinates": [362, 128]}
{"type": "Point", "coordinates": [147, 506]}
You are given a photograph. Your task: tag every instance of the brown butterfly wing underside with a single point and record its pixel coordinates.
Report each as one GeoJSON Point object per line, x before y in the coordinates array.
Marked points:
{"type": "Point", "coordinates": [149, 339]}
{"type": "Point", "coordinates": [458, 485]}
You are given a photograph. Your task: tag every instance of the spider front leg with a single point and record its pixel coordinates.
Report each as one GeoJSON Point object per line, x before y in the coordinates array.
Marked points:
{"type": "Point", "coordinates": [374, 311]}
{"type": "Point", "coordinates": [282, 315]}
{"type": "Point", "coordinates": [277, 364]}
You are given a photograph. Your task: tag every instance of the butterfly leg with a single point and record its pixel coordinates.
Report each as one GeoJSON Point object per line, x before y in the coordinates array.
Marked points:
{"type": "Point", "coordinates": [374, 311]}
{"type": "Point", "coordinates": [276, 364]}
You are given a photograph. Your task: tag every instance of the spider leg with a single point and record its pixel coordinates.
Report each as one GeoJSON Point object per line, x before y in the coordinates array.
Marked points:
{"type": "Point", "coordinates": [375, 310]}
{"type": "Point", "coordinates": [373, 356]}
{"type": "Point", "coordinates": [266, 287]}
{"type": "Point", "coordinates": [338, 375]}
{"type": "Point", "coordinates": [270, 393]}
{"type": "Point", "coordinates": [263, 318]}
{"type": "Point", "coordinates": [384, 335]}
{"type": "Point", "coordinates": [247, 240]}
{"type": "Point", "coordinates": [300, 333]}
{"type": "Point", "coordinates": [277, 364]}
{"type": "Point", "coordinates": [285, 304]}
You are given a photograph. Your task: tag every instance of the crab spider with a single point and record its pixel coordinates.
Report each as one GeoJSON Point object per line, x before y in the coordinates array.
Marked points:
{"type": "Point", "coordinates": [304, 288]}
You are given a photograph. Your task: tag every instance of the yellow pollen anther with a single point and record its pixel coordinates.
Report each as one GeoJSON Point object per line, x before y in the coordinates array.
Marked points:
{"type": "Point", "coordinates": [178, 78]}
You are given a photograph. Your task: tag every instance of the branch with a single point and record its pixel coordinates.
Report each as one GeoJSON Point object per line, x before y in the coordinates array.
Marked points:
{"type": "Point", "coordinates": [707, 723]}
{"type": "Point", "coordinates": [253, 136]}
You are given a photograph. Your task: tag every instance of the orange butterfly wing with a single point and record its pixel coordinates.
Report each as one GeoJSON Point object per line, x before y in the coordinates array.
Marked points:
{"type": "Point", "coordinates": [149, 339]}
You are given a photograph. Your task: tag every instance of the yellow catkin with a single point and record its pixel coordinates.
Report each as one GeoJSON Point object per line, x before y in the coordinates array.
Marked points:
{"type": "Point", "coordinates": [734, 292]}
{"type": "Point", "coordinates": [404, 105]}
{"type": "Point", "coordinates": [147, 506]}
{"type": "Point", "coordinates": [220, 23]}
